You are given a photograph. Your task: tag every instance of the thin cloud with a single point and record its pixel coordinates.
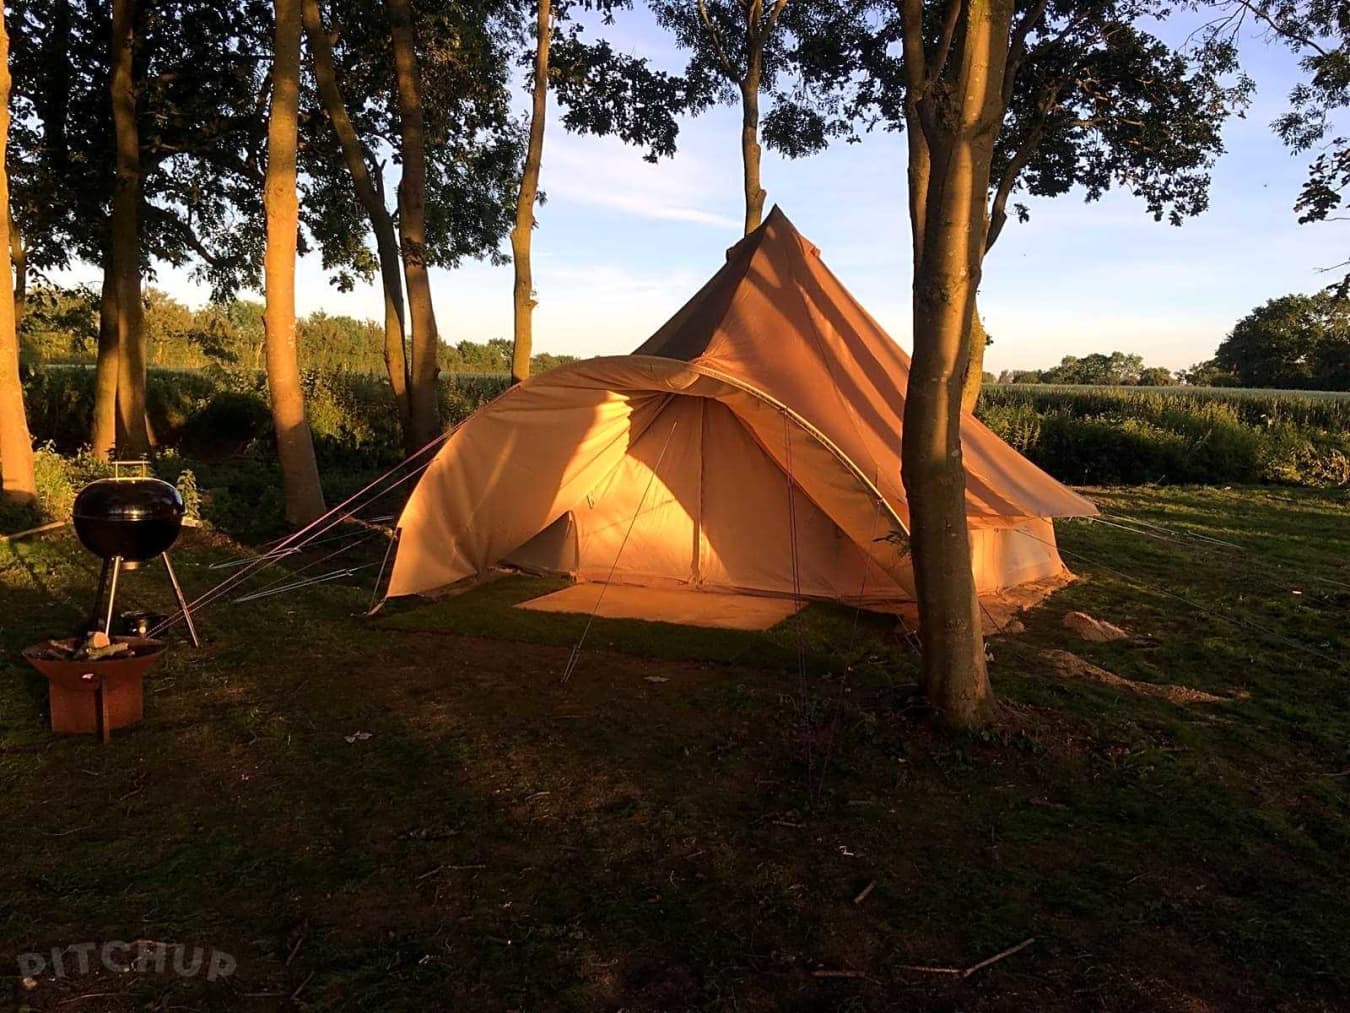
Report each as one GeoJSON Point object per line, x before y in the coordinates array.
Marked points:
{"type": "Point", "coordinates": [603, 172]}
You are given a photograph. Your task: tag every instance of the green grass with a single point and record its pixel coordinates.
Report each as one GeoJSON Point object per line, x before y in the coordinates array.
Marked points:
{"type": "Point", "coordinates": [505, 841]}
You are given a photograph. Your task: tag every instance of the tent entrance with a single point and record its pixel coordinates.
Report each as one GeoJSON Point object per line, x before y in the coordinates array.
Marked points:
{"type": "Point", "coordinates": [695, 501]}
{"type": "Point", "coordinates": [684, 607]}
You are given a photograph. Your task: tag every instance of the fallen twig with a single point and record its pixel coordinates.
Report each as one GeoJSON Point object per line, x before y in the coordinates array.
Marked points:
{"type": "Point", "coordinates": [967, 972]}
{"type": "Point", "coordinates": [998, 956]}
{"type": "Point", "coordinates": [838, 974]}
{"type": "Point", "coordinates": [296, 948]}
{"type": "Point", "coordinates": [448, 868]}
{"type": "Point", "coordinates": [866, 892]}
{"type": "Point", "coordinates": [296, 994]}
{"type": "Point", "coordinates": [52, 526]}
{"type": "Point", "coordinates": [931, 970]}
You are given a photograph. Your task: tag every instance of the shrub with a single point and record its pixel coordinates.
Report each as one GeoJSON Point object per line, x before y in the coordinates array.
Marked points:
{"type": "Point", "coordinates": [1104, 435]}
{"type": "Point", "coordinates": [225, 425]}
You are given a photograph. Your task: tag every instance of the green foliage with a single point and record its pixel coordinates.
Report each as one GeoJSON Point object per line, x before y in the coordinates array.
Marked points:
{"type": "Point", "coordinates": [1299, 342]}
{"type": "Point", "coordinates": [200, 128]}
{"type": "Point", "coordinates": [1318, 32]}
{"type": "Point", "coordinates": [218, 413]}
{"type": "Point", "coordinates": [1156, 376]}
{"type": "Point", "coordinates": [1114, 370]}
{"type": "Point", "coordinates": [794, 41]}
{"type": "Point", "coordinates": [1097, 102]}
{"type": "Point", "coordinates": [56, 490]}
{"type": "Point", "coordinates": [62, 329]}
{"type": "Point", "coordinates": [465, 52]}
{"type": "Point", "coordinates": [608, 93]}
{"type": "Point", "coordinates": [1101, 436]}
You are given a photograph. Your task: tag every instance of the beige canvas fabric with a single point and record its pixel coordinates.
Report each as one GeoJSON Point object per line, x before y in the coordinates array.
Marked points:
{"type": "Point", "coordinates": [752, 444]}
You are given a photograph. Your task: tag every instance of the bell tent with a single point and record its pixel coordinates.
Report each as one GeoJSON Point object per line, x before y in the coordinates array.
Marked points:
{"type": "Point", "coordinates": [750, 446]}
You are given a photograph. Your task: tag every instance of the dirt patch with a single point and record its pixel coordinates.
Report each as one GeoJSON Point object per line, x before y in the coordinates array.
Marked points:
{"type": "Point", "coordinates": [1067, 665]}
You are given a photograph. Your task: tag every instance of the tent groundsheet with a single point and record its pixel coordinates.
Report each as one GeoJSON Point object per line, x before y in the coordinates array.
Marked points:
{"type": "Point", "coordinates": [666, 605]}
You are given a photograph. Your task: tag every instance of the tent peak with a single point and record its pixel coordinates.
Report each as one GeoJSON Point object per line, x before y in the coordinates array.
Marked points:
{"type": "Point", "coordinates": [775, 228]}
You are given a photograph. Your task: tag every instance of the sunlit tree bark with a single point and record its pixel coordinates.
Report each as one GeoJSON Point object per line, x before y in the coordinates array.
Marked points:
{"type": "Point", "coordinates": [521, 236]}
{"type": "Point", "coordinates": [369, 191]}
{"type": "Point", "coordinates": [412, 187]}
{"type": "Point", "coordinates": [974, 379]}
{"type": "Point", "coordinates": [132, 438]}
{"type": "Point", "coordinates": [295, 447]}
{"type": "Point", "coordinates": [17, 484]}
{"type": "Point", "coordinates": [103, 438]}
{"type": "Point", "coordinates": [955, 115]}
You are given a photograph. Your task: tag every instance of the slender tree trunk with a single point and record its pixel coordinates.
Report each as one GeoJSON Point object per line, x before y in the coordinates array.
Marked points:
{"type": "Point", "coordinates": [372, 200]}
{"type": "Point", "coordinates": [132, 440]}
{"type": "Point", "coordinates": [295, 446]}
{"type": "Point", "coordinates": [974, 379]}
{"type": "Point", "coordinates": [949, 254]}
{"type": "Point", "coordinates": [17, 484]}
{"type": "Point", "coordinates": [103, 436]}
{"type": "Point", "coordinates": [412, 189]}
{"type": "Point", "coordinates": [750, 147]}
{"type": "Point", "coordinates": [521, 235]}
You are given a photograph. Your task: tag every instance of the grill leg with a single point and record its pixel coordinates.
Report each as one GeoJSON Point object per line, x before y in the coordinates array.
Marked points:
{"type": "Point", "coordinates": [116, 562]}
{"type": "Point", "coordinates": [95, 615]}
{"type": "Point", "coordinates": [182, 602]}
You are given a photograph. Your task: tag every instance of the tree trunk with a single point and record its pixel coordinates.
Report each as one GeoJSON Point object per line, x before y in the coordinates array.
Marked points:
{"type": "Point", "coordinates": [17, 484]}
{"type": "Point", "coordinates": [523, 293]}
{"type": "Point", "coordinates": [750, 148]}
{"type": "Point", "coordinates": [974, 378]}
{"type": "Point", "coordinates": [295, 447]}
{"type": "Point", "coordinates": [103, 436]}
{"type": "Point", "coordinates": [132, 441]}
{"type": "Point", "coordinates": [949, 254]}
{"type": "Point", "coordinates": [372, 200]}
{"type": "Point", "coordinates": [412, 188]}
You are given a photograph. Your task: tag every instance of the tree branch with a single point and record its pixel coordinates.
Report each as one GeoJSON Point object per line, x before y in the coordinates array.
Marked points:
{"type": "Point", "coordinates": [185, 233]}
{"type": "Point", "coordinates": [998, 209]}
{"type": "Point", "coordinates": [774, 13]}
{"type": "Point", "coordinates": [716, 37]}
{"type": "Point", "coordinates": [1017, 49]}
{"type": "Point", "coordinates": [1260, 14]}
{"type": "Point", "coordinates": [950, 18]}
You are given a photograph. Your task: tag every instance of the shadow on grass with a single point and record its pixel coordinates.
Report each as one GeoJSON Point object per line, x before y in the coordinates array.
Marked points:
{"type": "Point", "coordinates": [498, 840]}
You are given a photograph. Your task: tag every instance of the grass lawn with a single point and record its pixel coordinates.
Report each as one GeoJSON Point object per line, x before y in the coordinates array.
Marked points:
{"type": "Point", "coordinates": [691, 823]}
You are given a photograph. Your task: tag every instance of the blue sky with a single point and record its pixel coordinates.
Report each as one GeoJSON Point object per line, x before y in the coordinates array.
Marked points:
{"type": "Point", "coordinates": [621, 244]}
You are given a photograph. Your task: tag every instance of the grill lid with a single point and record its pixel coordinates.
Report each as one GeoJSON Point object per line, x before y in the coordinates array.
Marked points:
{"type": "Point", "coordinates": [135, 518]}
{"type": "Point", "coordinates": [128, 499]}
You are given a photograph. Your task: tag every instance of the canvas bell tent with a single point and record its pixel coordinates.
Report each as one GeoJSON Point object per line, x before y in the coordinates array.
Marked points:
{"type": "Point", "coordinates": [751, 445]}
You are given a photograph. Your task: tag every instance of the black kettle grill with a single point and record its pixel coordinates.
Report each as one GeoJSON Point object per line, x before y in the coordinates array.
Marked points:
{"type": "Point", "coordinates": [128, 520]}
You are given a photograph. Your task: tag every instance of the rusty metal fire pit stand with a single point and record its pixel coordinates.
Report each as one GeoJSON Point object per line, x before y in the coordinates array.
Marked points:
{"type": "Point", "coordinates": [94, 696]}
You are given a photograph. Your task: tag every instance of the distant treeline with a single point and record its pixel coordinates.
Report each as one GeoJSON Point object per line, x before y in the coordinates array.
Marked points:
{"type": "Point", "coordinates": [1295, 342]}
{"type": "Point", "coordinates": [60, 327]}
{"type": "Point", "coordinates": [1097, 370]}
